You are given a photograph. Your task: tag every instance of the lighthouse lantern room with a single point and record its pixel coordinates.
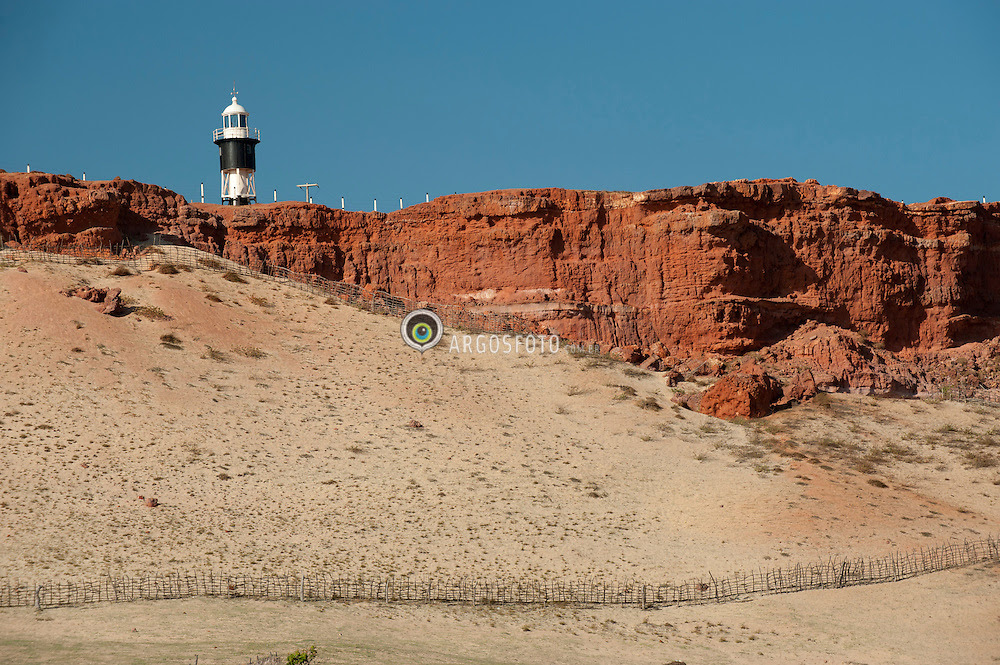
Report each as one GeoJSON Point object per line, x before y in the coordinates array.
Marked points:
{"type": "Point", "coordinates": [237, 160]}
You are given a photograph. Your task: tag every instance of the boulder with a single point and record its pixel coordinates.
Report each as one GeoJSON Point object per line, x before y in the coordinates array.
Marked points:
{"type": "Point", "coordinates": [741, 395]}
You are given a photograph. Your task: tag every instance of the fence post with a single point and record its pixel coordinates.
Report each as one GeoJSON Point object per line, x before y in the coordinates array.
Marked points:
{"type": "Point", "coordinates": [38, 597]}
{"type": "Point", "coordinates": [302, 589]}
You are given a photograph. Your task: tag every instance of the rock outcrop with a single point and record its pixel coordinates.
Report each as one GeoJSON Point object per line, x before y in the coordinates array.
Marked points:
{"type": "Point", "coordinates": [109, 300]}
{"type": "Point", "coordinates": [741, 394]}
{"type": "Point", "coordinates": [716, 270]}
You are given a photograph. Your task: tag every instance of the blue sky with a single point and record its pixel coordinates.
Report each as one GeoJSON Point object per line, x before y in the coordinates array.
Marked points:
{"type": "Point", "coordinates": [391, 99]}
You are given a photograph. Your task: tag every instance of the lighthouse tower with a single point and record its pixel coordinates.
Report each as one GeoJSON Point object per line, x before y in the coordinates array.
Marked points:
{"type": "Point", "coordinates": [237, 144]}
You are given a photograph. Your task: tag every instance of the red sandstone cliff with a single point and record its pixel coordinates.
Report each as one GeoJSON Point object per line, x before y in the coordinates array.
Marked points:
{"type": "Point", "coordinates": [721, 268]}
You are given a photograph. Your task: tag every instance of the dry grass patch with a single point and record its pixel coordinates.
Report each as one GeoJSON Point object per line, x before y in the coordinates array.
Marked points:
{"type": "Point", "coordinates": [260, 302]}
{"type": "Point", "coordinates": [625, 392]}
{"type": "Point", "coordinates": [650, 404]}
{"type": "Point", "coordinates": [230, 276]}
{"type": "Point", "coordinates": [210, 263]}
{"type": "Point", "coordinates": [154, 313]}
{"type": "Point", "coordinates": [250, 352]}
{"type": "Point", "coordinates": [166, 269]}
{"type": "Point", "coordinates": [980, 459]}
{"type": "Point", "coordinates": [120, 271]}
{"type": "Point", "coordinates": [216, 355]}
{"type": "Point", "coordinates": [171, 341]}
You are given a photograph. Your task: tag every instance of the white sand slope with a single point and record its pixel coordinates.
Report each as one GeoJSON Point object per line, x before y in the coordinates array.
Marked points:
{"type": "Point", "coordinates": [526, 465]}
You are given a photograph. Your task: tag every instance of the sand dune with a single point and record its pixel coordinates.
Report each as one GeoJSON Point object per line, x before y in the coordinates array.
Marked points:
{"type": "Point", "coordinates": [274, 431]}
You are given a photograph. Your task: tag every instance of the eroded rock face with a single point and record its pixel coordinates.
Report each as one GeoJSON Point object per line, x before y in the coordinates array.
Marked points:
{"type": "Point", "coordinates": [720, 269]}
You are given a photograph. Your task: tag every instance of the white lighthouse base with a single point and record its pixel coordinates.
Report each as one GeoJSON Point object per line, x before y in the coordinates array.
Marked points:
{"type": "Point", "coordinates": [238, 187]}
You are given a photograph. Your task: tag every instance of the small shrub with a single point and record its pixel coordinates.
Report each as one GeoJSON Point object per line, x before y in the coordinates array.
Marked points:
{"type": "Point", "coordinates": [212, 297]}
{"type": "Point", "coordinates": [154, 313]}
{"type": "Point", "coordinates": [302, 657]}
{"type": "Point", "coordinates": [216, 355]}
{"type": "Point", "coordinates": [120, 271]}
{"type": "Point", "coordinates": [745, 453]}
{"type": "Point", "coordinates": [650, 404]}
{"type": "Point", "coordinates": [224, 476]}
{"type": "Point", "coordinates": [171, 341]}
{"type": "Point", "coordinates": [626, 392]}
{"type": "Point", "coordinates": [979, 459]}
{"type": "Point", "coordinates": [355, 449]}
{"type": "Point", "coordinates": [260, 302]}
{"type": "Point", "coordinates": [636, 372]}
{"type": "Point", "coordinates": [210, 263]}
{"type": "Point", "coordinates": [823, 400]}
{"type": "Point", "coordinates": [167, 269]}
{"type": "Point", "coordinates": [331, 301]}
{"type": "Point", "coordinates": [250, 352]}
{"type": "Point", "coordinates": [233, 277]}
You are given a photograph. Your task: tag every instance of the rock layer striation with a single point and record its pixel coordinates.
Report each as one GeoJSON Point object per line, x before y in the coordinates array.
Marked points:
{"type": "Point", "coordinates": [719, 269]}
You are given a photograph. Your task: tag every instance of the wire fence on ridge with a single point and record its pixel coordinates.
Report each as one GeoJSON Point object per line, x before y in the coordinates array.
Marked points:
{"type": "Point", "coordinates": [322, 586]}
{"type": "Point", "coordinates": [372, 300]}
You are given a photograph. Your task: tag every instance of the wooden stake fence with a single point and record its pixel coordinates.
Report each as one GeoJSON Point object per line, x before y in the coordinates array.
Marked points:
{"type": "Point", "coordinates": [372, 300]}
{"type": "Point", "coordinates": [321, 586]}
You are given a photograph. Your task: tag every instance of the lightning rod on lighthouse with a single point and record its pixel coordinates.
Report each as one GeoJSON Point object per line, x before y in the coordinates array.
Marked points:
{"type": "Point", "coordinates": [237, 159]}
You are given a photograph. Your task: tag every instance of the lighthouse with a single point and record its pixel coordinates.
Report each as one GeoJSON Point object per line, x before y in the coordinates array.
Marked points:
{"type": "Point", "coordinates": [237, 161]}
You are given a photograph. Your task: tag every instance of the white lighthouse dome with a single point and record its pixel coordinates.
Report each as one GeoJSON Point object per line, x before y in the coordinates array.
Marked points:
{"type": "Point", "coordinates": [234, 108]}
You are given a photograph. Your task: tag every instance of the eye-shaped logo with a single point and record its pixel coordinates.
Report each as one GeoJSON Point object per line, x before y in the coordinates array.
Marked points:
{"type": "Point", "coordinates": [421, 329]}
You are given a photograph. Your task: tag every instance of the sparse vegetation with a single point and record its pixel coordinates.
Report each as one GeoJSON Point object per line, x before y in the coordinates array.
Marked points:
{"type": "Point", "coordinates": [354, 449]}
{"type": "Point", "coordinates": [980, 459]}
{"type": "Point", "coordinates": [822, 400]}
{"type": "Point", "coordinates": [249, 352]}
{"type": "Point", "coordinates": [171, 341]}
{"type": "Point", "coordinates": [636, 372]}
{"type": "Point", "coordinates": [210, 263]}
{"type": "Point", "coordinates": [212, 297]}
{"type": "Point", "coordinates": [166, 269]}
{"type": "Point", "coordinates": [120, 271]}
{"type": "Point", "coordinates": [302, 657]}
{"type": "Point", "coordinates": [625, 392]}
{"type": "Point", "coordinates": [331, 301]}
{"type": "Point", "coordinates": [230, 276]}
{"type": "Point", "coordinates": [260, 302]}
{"type": "Point", "coordinates": [216, 355]}
{"type": "Point", "coordinates": [154, 313]}
{"type": "Point", "coordinates": [650, 404]}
